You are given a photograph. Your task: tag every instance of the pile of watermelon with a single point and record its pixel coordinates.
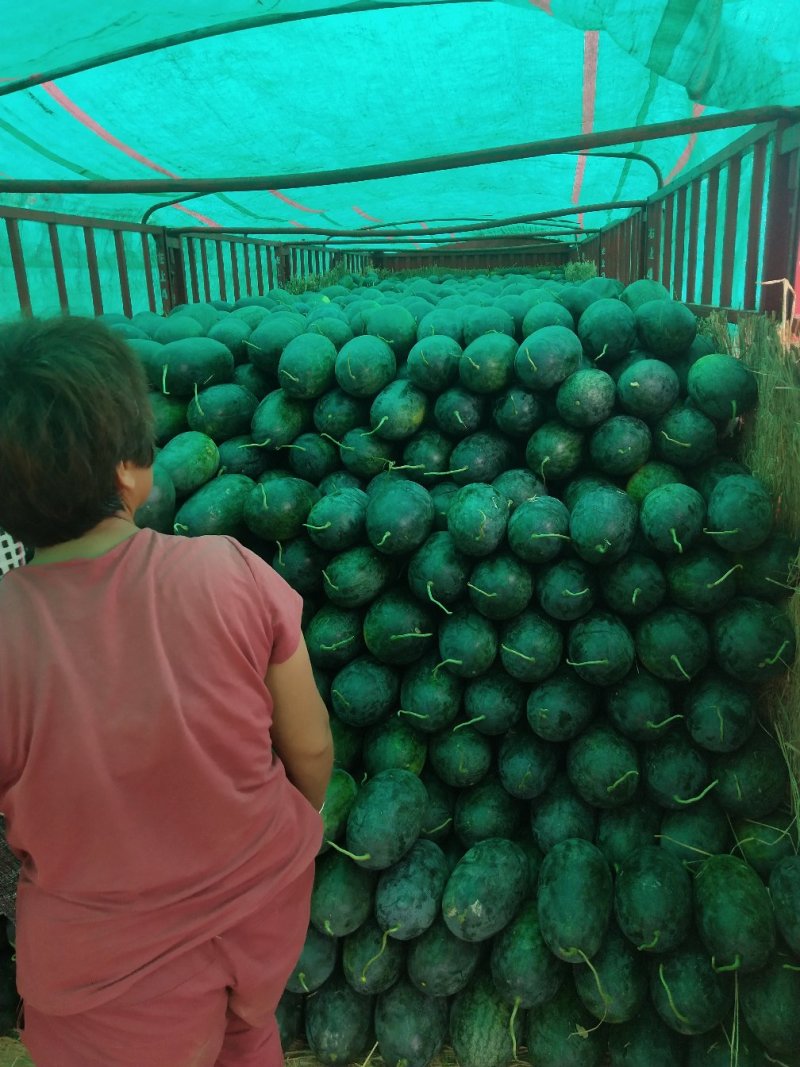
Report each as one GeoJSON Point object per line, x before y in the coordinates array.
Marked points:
{"type": "Point", "coordinates": [541, 597]}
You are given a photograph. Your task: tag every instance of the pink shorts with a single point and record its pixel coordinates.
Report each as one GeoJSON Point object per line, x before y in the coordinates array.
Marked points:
{"type": "Point", "coordinates": [222, 1016]}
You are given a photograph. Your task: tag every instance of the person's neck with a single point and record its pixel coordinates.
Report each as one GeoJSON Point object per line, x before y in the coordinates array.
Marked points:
{"type": "Point", "coordinates": [99, 540]}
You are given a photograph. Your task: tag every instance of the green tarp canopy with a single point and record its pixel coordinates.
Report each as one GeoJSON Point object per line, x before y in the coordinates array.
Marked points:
{"type": "Point", "coordinates": [220, 89]}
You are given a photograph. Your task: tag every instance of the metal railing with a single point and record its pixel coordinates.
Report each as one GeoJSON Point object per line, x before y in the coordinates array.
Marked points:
{"type": "Point", "coordinates": [712, 237]}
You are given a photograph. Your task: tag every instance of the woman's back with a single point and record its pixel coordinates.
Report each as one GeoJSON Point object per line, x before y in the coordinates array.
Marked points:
{"type": "Point", "coordinates": [136, 772]}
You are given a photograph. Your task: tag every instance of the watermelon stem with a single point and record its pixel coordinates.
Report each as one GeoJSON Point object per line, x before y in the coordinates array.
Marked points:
{"type": "Point", "coordinates": [444, 474]}
{"type": "Point", "coordinates": [676, 841]}
{"type": "Point", "coordinates": [598, 358]}
{"type": "Point", "coordinates": [326, 926]}
{"type": "Point", "coordinates": [668, 991]}
{"type": "Point", "coordinates": [327, 579]}
{"type": "Point", "coordinates": [650, 944]}
{"type": "Point", "coordinates": [635, 596]}
{"type": "Point", "coordinates": [720, 533]}
{"type": "Point", "coordinates": [674, 659]}
{"type": "Point", "coordinates": [478, 589]}
{"type": "Point", "coordinates": [664, 722]}
{"type": "Point", "coordinates": [471, 361]}
{"type": "Point", "coordinates": [469, 722]}
{"type": "Point", "coordinates": [675, 540]}
{"type": "Point", "coordinates": [672, 440]}
{"type": "Point", "coordinates": [377, 956]}
{"type": "Point", "coordinates": [255, 444]}
{"type": "Point", "coordinates": [606, 999]}
{"type": "Point", "coordinates": [433, 600]}
{"type": "Point", "coordinates": [782, 585]}
{"type": "Point", "coordinates": [511, 1029]}
{"type": "Point", "coordinates": [291, 376]}
{"type": "Point", "coordinates": [727, 574]}
{"type": "Point", "coordinates": [164, 370]}
{"type": "Point", "coordinates": [587, 663]}
{"type": "Point", "coordinates": [541, 466]}
{"type": "Point", "coordinates": [528, 357]}
{"type": "Point", "coordinates": [350, 855]}
{"type": "Point", "coordinates": [413, 714]}
{"type": "Point", "coordinates": [444, 663]}
{"type": "Point", "coordinates": [515, 652]}
{"type": "Point", "coordinates": [737, 963]}
{"type": "Point", "coordinates": [791, 967]}
{"type": "Point", "coordinates": [457, 415]}
{"type": "Point", "coordinates": [280, 553]}
{"type": "Point", "coordinates": [561, 537]}
{"type": "Point", "coordinates": [301, 978]}
{"type": "Point", "coordinates": [370, 1054]}
{"type": "Point", "coordinates": [441, 826]}
{"type": "Point", "coordinates": [299, 448]}
{"type": "Point", "coordinates": [693, 800]}
{"type": "Point", "coordinates": [311, 526]}
{"type": "Point", "coordinates": [416, 633]}
{"type": "Point", "coordinates": [581, 592]}
{"type": "Point", "coordinates": [634, 385]}
{"type": "Point", "coordinates": [179, 526]}
{"type": "Point", "coordinates": [384, 539]}
{"type": "Point", "coordinates": [621, 779]}
{"type": "Point", "coordinates": [369, 433]}
{"type": "Point", "coordinates": [772, 660]}
{"type": "Point", "coordinates": [405, 466]}
{"type": "Point", "coordinates": [341, 696]}
{"type": "Point", "coordinates": [337, 644]}
{"type": "Point", "coordinates": [197, 401]}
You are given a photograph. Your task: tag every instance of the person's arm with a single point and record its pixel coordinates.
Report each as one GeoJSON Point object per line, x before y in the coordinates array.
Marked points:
{"type": "Point", "coordinates": [301, 733]}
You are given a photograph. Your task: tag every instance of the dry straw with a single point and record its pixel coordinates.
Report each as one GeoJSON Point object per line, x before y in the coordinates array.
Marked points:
{"type": "Point", "coordinates": [771, 449]}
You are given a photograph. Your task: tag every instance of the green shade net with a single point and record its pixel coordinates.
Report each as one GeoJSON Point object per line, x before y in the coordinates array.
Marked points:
{"type": "Point", "coordinates": [224, 89]}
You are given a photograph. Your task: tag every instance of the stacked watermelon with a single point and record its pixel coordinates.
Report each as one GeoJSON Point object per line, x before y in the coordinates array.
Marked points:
{"type": "Point", "coordinates": [541, 595]}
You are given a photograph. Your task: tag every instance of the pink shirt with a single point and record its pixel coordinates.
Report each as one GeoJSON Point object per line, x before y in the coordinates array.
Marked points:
{"type": "Point", "coordinates": [136, 770]}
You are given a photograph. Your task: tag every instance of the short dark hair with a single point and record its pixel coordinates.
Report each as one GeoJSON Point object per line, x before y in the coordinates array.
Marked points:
{"type": "Point", "coordinates": [73, 405]}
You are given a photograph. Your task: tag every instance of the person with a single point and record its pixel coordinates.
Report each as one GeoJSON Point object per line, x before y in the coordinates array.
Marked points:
{"type": "Point", "coordinates": [164, 751]}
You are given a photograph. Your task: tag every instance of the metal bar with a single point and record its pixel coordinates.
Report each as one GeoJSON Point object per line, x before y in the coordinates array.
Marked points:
{"type": "Point", "coordinates": [666, 243]}
{"type": "Point", "coordinates": [259, 271]}
{"type": "Point", "coordinates": [709, 249]}
{"type": "Point", "coordinates": [148, 272]}
{"type": "Point", "coordinates": [18, 265]}
{"type": "Point", "coordinates": [694, 227]}
{"type": "Point", "coordinates": [200, 33]}
{"type": "Point", "coordinates": [654, 219]}
{"type": "Point", "coordinates": [58, 268]}
{"type": "Point", "coordinates": [777, 243]}
{"type": "Point", "coordinates": [223, 284]}
{"type": "Point", "coordinates": [638, 157]}
{"type": "Point", "coordinates": [427, 165]}
{"type": "Point", "coordinates": [374, 231]}
{"type": "Point", "coordinates": [122, 270]}
{"type": "Point", "coordinates": [729, 232]}
{"type": "Point", "coordinates": [94, 272]}
{"type": "Point", "coordinates": [731, 314]}
{"type": "Point", "coordinates": [248, 279]}
{"type": "Point", "coordinates": [192, 257]}
{"type": "Point", "coordinates": [237, 292]}
{"type": "Point", "coordinates": [25, 215]}
{"type": "Point", "coordinates": [163, 271]}
{"type": "Point", "coordinates": [270, 270]}
{"type": "Point", "coordinates": [435, 253]}
{"type": "Point", "coordinates": [206, 274]}
{"type": "Point", "coordinates": [735, 148]}
{"type": "Point", "coordinates": [680, 242]}
{"type": "Point", "coordinates": [754, 224]}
